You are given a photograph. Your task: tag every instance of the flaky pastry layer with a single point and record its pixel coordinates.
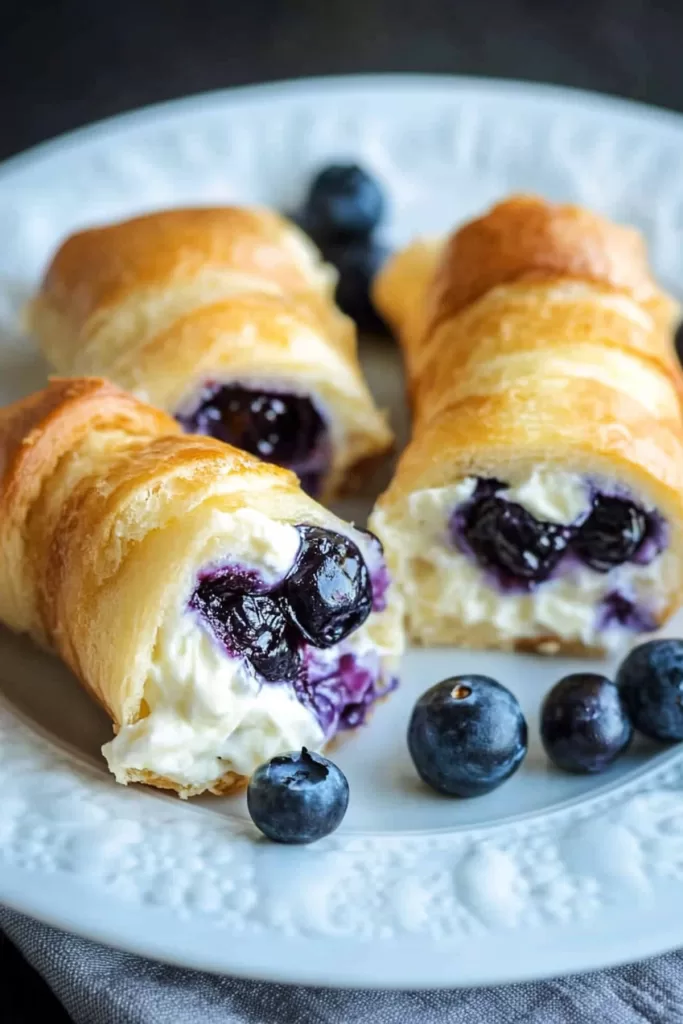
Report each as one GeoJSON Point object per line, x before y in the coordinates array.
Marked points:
{"type": "Point", "coordinates": [163, 303]}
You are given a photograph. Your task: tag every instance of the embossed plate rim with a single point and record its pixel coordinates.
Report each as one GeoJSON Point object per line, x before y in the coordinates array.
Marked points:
{"type": "Point", "coordinates": [389, 83]}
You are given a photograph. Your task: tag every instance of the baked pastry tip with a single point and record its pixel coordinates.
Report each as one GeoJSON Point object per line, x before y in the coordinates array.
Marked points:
{"type": "Point", "coordinates": [225, 318]}
{"type": "Point", "coordinates": [539, 503]}
{"type": "Point", "coordinates": [217, 613]}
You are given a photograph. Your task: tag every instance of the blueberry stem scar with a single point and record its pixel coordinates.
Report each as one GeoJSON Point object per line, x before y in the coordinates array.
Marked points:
{"type": "Point", "coordinates": [460, 692]}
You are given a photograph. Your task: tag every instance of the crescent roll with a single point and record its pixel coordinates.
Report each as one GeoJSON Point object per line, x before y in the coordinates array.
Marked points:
{"type": "Point", "coordinates": [539, 504]}
{"type": "Point", "coordinates": [224, 318]}
{"type": "Point", "coordinates": [217, 613]}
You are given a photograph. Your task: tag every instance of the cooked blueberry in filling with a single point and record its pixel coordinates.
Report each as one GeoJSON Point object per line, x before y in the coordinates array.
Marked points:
{"type": "Point", "coordinates": [362, 691]}
{"type": "Point", "coordinates": [283, 428]}
{"type": "Point", "coordinates": [522, 551]}
{"type": "Point", "coordinates": [508, 539]}
{"type": "Point", "coordinates": [285, 630]}
{"type": "Point", "coordinates": [230, 580]}
{"type": "Point", "coordinates": [340, 691]}
{"type": "Point", "coordinates": [254, 626]}
{"type": "Point", "coordinates": [612, 534]}
{"type": "Point", "coordinates": [618, 610]}
{"type": "Point", "coordinates": [259, 627]}
{"type": "Point", "coordinates": [329, 590]}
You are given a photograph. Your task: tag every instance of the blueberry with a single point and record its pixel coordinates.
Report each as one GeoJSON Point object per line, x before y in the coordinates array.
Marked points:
{"type": "Point", "coordinates": [611, 535]}
{"type": "Point", "coordinates": [357, 263]}
{"type": "Point", "coordinates": [508, 539]}
{"type": "Point", "coordinates": [584, 725]}
{"type": "Point", "coordinates": [650, 680]}
{"type": "Point", "coordinates": [278, 427]}
{"type": "Point", "coordinates": [467, 735]}
{"type": "Point", "coordinates": [329, 589]}
{"type": "Point", "coordinates": [254, 626]}
{"type": "Point", "coordinates": [487, 486]}
{"type": "Point", "coordinates": [297, 797]}
{"type": "Point", "coordinates": [343, 202]}
{"type": "Point", "coordinates": [258, 628]}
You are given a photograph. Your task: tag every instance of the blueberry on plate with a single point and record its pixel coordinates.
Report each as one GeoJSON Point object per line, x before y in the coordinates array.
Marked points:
{"type": "Point", "coordinates": [343, 202]}
{"type": "Point", "coordinates": [329, 591]}
{"type": "Point", "coordinates": [467, 735]}
{"type": "Point", "coordinates": [584, 724]}
{"type": "Point", "coordinates": [357, 262]}
{"type": "Point", "coordinates": [650, 681]}
{"type": "Point", "coordinates": [297, 797]}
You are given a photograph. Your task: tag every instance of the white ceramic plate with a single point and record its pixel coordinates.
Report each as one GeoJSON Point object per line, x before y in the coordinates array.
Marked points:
{"type": "Point", "coordinates": [551, 873]}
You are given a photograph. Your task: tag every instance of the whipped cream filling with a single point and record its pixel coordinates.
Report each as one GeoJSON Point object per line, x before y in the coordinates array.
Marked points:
{"type": "Point", "coordinates": [550, 495]}
{"type": "Point", "coordinates": [209, 712]}
{"type": "Point", "coordinates": [440, 582]}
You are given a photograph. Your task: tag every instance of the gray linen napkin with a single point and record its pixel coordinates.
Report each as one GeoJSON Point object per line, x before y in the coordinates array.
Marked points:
{"type": "Point", "coordinates": [101, 986]}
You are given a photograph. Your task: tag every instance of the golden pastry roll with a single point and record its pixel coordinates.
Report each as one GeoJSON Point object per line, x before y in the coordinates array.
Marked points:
{"type": "Point", "coordinates": [216, 611]}
{"type": "Point", "coordinates": [225, 318]}
{"type": "Point", "coordinates": [539, 503]}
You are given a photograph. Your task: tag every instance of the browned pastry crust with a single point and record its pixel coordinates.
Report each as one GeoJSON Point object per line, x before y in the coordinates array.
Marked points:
{"type": "Point", "coordinates": [98, 268]}
{"type": "Point", "coordinates": [528, 239]}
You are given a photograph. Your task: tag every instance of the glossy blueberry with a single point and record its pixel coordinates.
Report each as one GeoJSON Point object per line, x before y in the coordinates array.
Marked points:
{"type": "Point", "coordinates": [467, 735]}
{"type": "Point", "coordinates": [357, 263]}
{"type": "Point", "coordinates": [343, 202]}
{"type": "Point", "coordinates": [650, 681]}
{"type": "Point", "coordinates": [508, 539]}
{"type": "Point", "coordinates": [612, 534]}
{"type": "Point", "coordinates": [329, 589]}
{"type": "Point", "coordinates": [297, 797]}
{"type": "Point", "coordinates": [259, 629]}
{"type": "Point", "coordinates": [584, 724]}
{"type": "Point", "coordinates": [278, 427]}
{"type": "Point", "coordinates": [254, 626]}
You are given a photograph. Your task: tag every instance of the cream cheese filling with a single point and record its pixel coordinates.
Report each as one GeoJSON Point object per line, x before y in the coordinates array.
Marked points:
{"type": "Point", "coordinates": [208, 712]}
{"type": "Point", "coordinates": [438, 582]}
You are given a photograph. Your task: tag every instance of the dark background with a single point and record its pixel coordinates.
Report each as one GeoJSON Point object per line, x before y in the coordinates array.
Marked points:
{"type": "Point", "coordinates": [65, 63]}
